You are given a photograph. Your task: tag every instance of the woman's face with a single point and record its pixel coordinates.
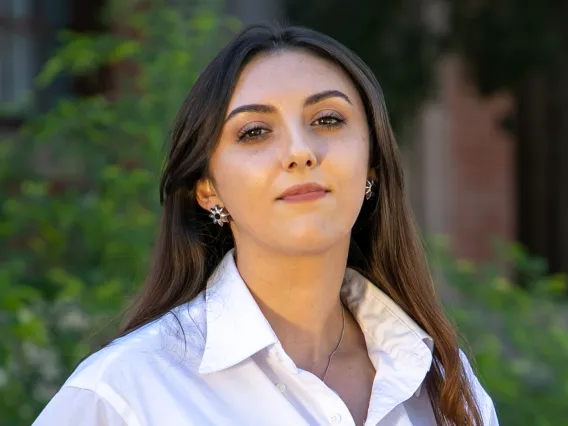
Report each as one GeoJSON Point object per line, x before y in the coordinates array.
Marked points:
{"type": "Point", "coordinates": [294, 119]}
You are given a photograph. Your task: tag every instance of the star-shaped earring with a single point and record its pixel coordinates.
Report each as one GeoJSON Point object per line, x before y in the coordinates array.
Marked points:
{"type": "Point", "coordinates": [219, 214]}
{"type": "Point", "coordinates": [369, 185]}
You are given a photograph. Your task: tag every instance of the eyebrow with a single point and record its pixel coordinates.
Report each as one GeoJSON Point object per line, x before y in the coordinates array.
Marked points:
{"type": "Point", "coordinates": [310, 100]}
{"type": "Point", "coordinates": [322, 96]}
{"type": "Point", "coordinates": [265, 109]}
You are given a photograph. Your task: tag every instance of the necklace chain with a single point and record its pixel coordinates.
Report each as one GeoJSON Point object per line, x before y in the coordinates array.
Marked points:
{"type": "Point", "coordinates": [338, 343]}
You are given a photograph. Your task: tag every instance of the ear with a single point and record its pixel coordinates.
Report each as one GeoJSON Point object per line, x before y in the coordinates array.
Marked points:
{"type": "Point", "coordinates": [205, 194]}
{"type": "Point", "coordinates": [372, 175]}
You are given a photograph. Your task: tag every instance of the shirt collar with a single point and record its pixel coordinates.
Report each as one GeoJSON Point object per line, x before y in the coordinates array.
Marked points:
{"type": "Point", "coordinates": [384, 324]}
{"type": "Point", "coordinates": [237, 328]}
{"type": "Point", "coordinates": [400, 350]}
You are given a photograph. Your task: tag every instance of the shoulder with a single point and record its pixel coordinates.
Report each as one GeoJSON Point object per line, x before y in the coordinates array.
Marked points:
{"type": "Point", "coordinates": [175, 340]}
{"type": "Point", "coordinates": [80, 407]}
{"type": "Point", "coordinates": [126, 378]}
{"type": "Point", "coordinates": [484, 401]}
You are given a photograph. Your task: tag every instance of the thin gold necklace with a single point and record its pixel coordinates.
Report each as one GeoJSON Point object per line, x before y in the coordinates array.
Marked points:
{"type": "Point", "coordinates": [338, 343]}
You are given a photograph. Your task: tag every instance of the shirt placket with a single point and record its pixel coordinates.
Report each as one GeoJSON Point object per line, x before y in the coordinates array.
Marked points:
{"type": "Point", "coordinates": [332, 409]}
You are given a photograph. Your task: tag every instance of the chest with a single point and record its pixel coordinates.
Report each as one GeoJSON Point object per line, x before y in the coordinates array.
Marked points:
{"type": "Point", "coordinates": [263, 390]}
{"type": "Point", "coordinates": [352, 378]}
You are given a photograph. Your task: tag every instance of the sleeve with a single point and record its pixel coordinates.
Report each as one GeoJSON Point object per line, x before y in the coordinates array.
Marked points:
{"type": "Point", "coordinates": [485, 403]}
{"type": "Point", "coordinates": [73, 406]}
{"type": "Point", "coordinates": [483, 399]}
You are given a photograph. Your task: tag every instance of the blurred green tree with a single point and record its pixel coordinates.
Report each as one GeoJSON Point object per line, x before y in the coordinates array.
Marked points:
{"type": "Point", "coordinates": [519, 336]}
{"type": "Point", "coordinates": [78, 191]}
{"type": "Point", "coordinates": [506, 41]}
{"type": "Point", "coordinates": [503, 41]}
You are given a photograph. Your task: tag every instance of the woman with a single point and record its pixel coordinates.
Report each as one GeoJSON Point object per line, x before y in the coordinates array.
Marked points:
{"type": "Point", "coordinates": [289, 286]}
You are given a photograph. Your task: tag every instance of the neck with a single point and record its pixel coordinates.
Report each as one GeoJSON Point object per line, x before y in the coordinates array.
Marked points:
{"type": "Point", "coordinates": [299, 296]}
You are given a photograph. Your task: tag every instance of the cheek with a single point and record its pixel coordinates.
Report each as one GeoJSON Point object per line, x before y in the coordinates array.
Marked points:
{"type": "Point", "coordinates": [351, 159]}
{"type": "Point", "coordinates": [241, 177]}
{"type": "Point", "coordinates": [350, 167]}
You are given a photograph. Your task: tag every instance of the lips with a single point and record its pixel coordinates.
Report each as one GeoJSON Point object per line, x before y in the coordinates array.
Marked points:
{"type": "Point", "coordinates": [303, 192]}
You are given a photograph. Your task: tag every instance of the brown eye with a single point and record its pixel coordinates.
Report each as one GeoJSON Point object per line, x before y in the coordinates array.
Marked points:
{"type": "Point", "coordinates": [329, 121]}
{"type": "Point", "coordinates": [252, 133]}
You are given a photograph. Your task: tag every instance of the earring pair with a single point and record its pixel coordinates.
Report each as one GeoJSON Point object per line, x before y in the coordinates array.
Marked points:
{"type": "Point", "coordinates": [220, 215]}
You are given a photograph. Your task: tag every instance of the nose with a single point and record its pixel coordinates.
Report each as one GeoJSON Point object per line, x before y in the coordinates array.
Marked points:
{"type": "Point", "coordinates": [298, 153]}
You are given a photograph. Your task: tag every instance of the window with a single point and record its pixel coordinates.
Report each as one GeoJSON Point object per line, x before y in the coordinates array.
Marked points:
{"type": "Point", "coordinates": [19, 32]}
{"type": "Point", "coordinates": [28, 36]}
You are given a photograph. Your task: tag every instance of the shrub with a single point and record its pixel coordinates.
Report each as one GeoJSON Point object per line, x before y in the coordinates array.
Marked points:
{"type": "Point", "coordinates": [519, 335]}
{"type": "Point", "coordinates": [79, 198]}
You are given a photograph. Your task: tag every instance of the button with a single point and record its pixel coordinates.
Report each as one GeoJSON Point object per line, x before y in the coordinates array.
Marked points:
{"type": "Point", "coordinates": [281, 387]}
{"type": "Point", "coordinates": [335, 419]}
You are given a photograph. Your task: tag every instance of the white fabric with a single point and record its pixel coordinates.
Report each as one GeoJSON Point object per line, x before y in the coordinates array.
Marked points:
{"type": "Point", "coordinates": [217, 361]}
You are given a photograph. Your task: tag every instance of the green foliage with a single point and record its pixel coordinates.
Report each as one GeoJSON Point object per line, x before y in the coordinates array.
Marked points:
{"type": "Point", "coordinates": [504, 41]}
{"type": "Point", "coordinates": [519, 336]}
{"type": "Point", "coordinates": [79, 198]}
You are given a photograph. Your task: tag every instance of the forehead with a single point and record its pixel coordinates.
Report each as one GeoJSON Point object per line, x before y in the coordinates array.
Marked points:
{"type": "Point", "coordinates": [289, 74]}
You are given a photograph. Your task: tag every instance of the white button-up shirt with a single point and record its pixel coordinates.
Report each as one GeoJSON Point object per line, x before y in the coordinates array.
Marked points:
{"type": "Point", "coordinates": [217, 361]}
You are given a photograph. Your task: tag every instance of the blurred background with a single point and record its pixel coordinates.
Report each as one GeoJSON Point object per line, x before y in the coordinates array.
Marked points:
{"type": "Point", "coordinates": [478, 96]}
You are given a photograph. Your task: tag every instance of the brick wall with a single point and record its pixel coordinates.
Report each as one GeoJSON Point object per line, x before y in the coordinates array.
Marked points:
{"type": "Point", "coordinates": [463, 168]}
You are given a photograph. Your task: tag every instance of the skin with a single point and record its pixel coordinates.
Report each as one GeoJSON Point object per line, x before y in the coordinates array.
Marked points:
{"type": "Point", "coordinates": [293, 256]}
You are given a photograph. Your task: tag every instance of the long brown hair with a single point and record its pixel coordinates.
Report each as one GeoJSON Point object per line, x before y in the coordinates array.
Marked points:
{"type": "Point", "coordinates": [385, 246]}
